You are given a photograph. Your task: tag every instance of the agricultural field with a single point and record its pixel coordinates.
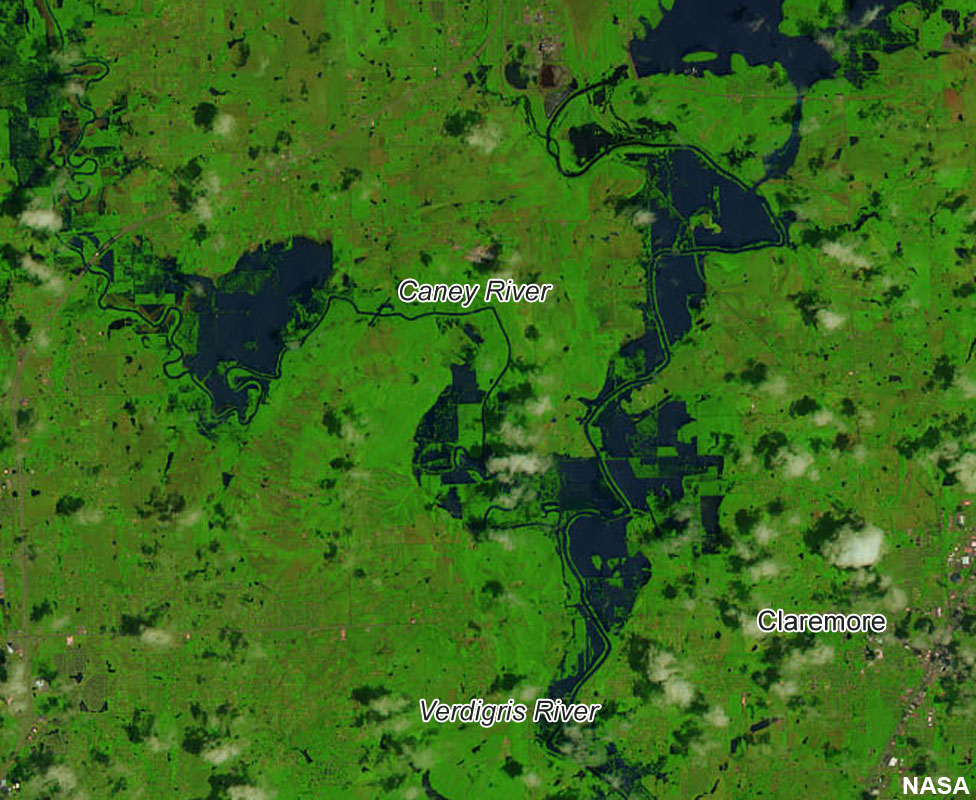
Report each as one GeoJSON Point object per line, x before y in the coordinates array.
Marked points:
{"type": "Point", "coordinates": [413, 399]}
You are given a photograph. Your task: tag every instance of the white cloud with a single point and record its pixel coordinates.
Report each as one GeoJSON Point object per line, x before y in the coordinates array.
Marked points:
{"type": "Point", "coordinates": [512, 498]}
{"type": "Point", "coordinates": [717, 717]}
{"type": "Point", "coordinates": [224, 124]}
{"type": "Point", "coordinates": [538, 407]}
{"type": "Point", "coordinates": [504, 538]}
{"type": "Point", "coordinates": [762, 570]}
{"type": "Point", "coordinates": [869, 16]}
{"type": "Point", "coordinates": [775, 386]}
{"type": "Point", "coordinates": [822, 418]}
{"type": "Point", "coordinates": [827, 44]}
{"type": "Point", "coordinates": [506, 467]}
{"type": "Point", "coordinates": [765, 533]}
{"type": "Point", "coordinates": [797, 465]}
{"type": "Point", "coordinates": [156, 637]}
{"type": "Point", "coordinates": [581, 746]}
{"type": "Point", "coordinates": [895, 599]}
{"type": "Point", "coordinates": [480, 253]}
{"type": "Point", "coordinates": [64, 776]}
{"type": "Point", "coordinates": [965, 471]}
{"type": "Point", "coordinates": [202, 209]}
{"type": "Point", "coordinates": [830, 320]}
{"type": "Point", "coordinates": [211, 183]}
{"type": "Point", "coordinates": [189, 517]}
{"type": "Point", "coordinates": [423, 759]}
{"type": "Point", "coordinates": [485, 138]}
{"type": "Point", "coordinates": [846, 255]}
{"type": "Point", "coordinates": [750, 628]}
{"type": "Point", "coordinates": [14, 691]}
{"type": "Point", "coordinates": [351, 433]}
{"type": "Point", "coordinates": [43, 273]}
{"type": "Point", "coordinates": [678, 692]}
{"type": "Point", "coordinates": [514, 435]}
{"type": "Point", "coordinates": [530, 693]}
{"type": "Point", "coordinates": [67, 57]}
{"type": "Point", "coordinates": [865, 418]}
{"type": "Point", "coordinates": [247, 793]}
{"type": "Point", "coordinates": [743, 550]}
{"type": "Point", "coordinates": [387, 705]}
{"type": "Point", "coordinates": [816, 656]}
{"type": "Point", "coordinates": [853, 549]}
{"type": "Point", "coordinates": [73, 89]}
{"type": "Point", "coordinates": [810, 123]}
{"type": "Point", "coordinates": [643, 218]}
{"type": "Point", "coordinates": [662, 668]}
{"type": "Point", "coordinates": [221, 754]}
{"type": "Point", "coordinates": [41, 219]}
{"type": "Point", "coordinates": [89, 516]}
{"type": "Point", "coordinates": [967, 385]}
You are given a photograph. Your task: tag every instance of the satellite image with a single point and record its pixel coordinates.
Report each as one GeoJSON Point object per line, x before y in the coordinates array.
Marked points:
{"type": "Point", "coordinates": [486, 400]}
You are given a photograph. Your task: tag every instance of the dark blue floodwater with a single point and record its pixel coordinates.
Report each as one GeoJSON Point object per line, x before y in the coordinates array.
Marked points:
{"type": "Point", "coordinates": [689, 182]}
{"type": "Point", "coordinates": [436, 451]}
{"type": "Point", "coordinates": [246, 318]}
{"type": "Point", "coordinates": [638, 469]}
{"type": "Point", "coordinates": [636, 456]}
{"type": "Point", "coordinates": [750, 29]}
{"type": "Point", "coordinates": [781, 160]}
{"type": "Point", "coordinates": [639, 456]}
{"type": "Point", "coordinates": [644, 455]}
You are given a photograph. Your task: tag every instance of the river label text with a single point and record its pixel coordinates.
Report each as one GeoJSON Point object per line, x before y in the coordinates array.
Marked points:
{"type": "Point", "coordinates": [497, 290]}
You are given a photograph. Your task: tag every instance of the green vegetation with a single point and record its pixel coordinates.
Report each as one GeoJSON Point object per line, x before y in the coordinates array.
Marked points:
{"type": "Point", "coordinates": [221, 580]}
